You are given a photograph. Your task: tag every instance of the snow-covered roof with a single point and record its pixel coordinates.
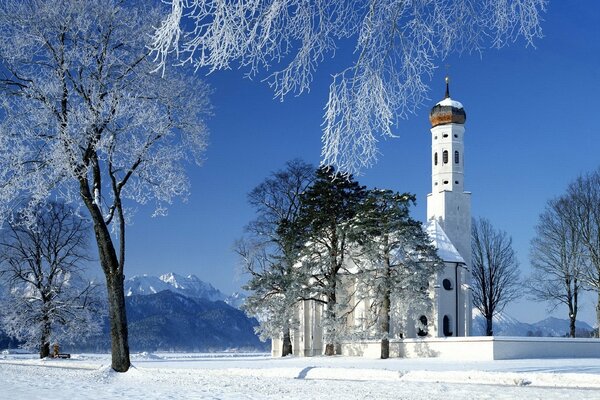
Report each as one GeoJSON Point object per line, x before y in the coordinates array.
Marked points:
{"type": "Point", "coordinates": [449, 102]}
{"type": "Point", "coordinates": [445, 249]}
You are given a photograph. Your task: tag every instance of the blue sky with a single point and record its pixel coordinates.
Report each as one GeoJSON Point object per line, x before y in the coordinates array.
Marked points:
{"type": "Point", "coordinates": [530, 130]}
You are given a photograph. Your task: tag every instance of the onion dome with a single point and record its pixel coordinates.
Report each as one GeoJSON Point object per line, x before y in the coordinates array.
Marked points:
{"type": "Point", "coordinates": [447, 111]}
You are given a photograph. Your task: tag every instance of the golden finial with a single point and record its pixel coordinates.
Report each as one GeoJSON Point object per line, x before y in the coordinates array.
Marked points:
{"type": "Point", "coordinates": [447, 87]}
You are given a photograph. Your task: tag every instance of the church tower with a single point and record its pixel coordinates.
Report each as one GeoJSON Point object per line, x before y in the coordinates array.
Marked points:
{"type": "Point", "coordinates": [449, 207]}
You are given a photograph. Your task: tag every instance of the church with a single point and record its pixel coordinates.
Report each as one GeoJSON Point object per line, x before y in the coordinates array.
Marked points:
{"type": "Point", "coordinates": [449, 227]}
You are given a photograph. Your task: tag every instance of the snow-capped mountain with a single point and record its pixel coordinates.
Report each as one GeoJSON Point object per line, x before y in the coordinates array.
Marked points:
{"type": "Point", "coordinates": [505, 325]}
{"type": "Point", "coordinates": [236, 300]}
{"type": "Point", "coordinates": [189, 286]}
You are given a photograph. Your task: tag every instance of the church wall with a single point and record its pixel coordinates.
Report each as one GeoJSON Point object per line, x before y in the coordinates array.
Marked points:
{"type": "Point", "coordinates": [482, 348]}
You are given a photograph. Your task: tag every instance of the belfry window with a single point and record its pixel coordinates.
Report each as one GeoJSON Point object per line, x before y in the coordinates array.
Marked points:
{"type": "Point", "coordinates": [445, 157]}
{"type": "Point", "coordinates": [456, 157]}
{"type": "Point", "coordinates": [435, 159]}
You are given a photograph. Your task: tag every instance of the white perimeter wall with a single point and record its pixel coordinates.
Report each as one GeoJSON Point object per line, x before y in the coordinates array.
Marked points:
{"type": "Point", "coordinates": [479, 348]}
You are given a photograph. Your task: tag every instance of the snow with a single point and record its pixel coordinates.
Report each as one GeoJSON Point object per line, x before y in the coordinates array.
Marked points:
{"type": "Point", "coordinates": [190, 286]}
{"type": "Point", "coordinates": [445, 249]}
{"type": "Point", "coordinates": [449, 102]}
{"type": "Point", "coordinates": [258, 376]}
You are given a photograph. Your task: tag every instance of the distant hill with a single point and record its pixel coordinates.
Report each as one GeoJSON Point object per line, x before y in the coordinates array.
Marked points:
{"type": "Point", "coordinates": [505, 325]}
{"type": "Point", "coordinates": [189, 286]}
{"type": "Point", "coordinates": [176, 313]}
{"type": "Point", "coordinates": [169, 321]}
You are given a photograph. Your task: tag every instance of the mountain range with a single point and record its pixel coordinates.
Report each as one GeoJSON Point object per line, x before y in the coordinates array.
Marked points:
{"type": "Point", "coordinates": [173, 312]}
{"type": "Point", "coordinates": [505, 325]}
{"type": "Point", "coordinates": [189, 286]}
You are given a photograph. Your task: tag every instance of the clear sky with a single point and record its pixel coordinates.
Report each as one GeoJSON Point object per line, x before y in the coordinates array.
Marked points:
{"type": "Point", "coordinates": [530, 130]}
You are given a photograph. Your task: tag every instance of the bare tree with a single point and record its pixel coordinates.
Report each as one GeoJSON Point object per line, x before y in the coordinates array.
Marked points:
{"type": "Point", "coordinates": [558, 259]}
{"type": "Point", "coordinates": [84, 118]}
{"type": "Point", "coordinates": [41, 261]}
{"type": "Point", "coordinates": [583, 214]}
{"type": "Point", "coordinates": [272, 249]}
{"type": "Point", "coordinates": [495, 270]}
{"type": "Point", "coordinates": [398, 44]}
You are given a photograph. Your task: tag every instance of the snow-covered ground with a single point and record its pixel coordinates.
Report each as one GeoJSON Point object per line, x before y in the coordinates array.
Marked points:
{"type": "Point", "coordinates": [258, 376]}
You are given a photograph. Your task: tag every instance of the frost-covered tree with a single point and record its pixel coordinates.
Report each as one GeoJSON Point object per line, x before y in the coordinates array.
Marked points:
{"type": "Point", "coordinates": [83, 118]}
{"type": "Point", "coordinates": [582, 212]}
{"type": "Point", "coordinates": [271, 250]}
{"type": "Point", "coordinates": [326, 220]}
{"type": "Point", "coordinates": [495, 270]}
{"type": "Point", "coordinates": [397, 46]}
{"type": "Point", "coordinates": [558, 260]}
{"type": "Point", "coordinates": [42, 253]}
{"type": "Point", "coordinates": [396, 258]}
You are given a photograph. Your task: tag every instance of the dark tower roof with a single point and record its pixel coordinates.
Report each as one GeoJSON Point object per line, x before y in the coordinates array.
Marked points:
{"type": "Point", "coordinates": [447, 111]}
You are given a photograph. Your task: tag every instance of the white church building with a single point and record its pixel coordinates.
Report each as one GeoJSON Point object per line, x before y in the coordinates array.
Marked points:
{"type": "Point", "coordinates": [448, 325]}
{"type": "Point", "coordinates": [448, 225]}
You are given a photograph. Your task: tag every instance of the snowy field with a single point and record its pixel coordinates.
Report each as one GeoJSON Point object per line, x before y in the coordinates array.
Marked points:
{"type": "Point", "coordinates": [258, 376]}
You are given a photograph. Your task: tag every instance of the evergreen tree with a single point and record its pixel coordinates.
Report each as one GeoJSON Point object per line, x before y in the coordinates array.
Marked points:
{"type": "Point", "coordinates": [326, 220]}
{"type": "Point", "coordinates": [397, 258]}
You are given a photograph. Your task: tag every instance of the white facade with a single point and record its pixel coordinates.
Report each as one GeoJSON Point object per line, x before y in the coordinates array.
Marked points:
{"type": "Point", "coordinates": [448, 225]}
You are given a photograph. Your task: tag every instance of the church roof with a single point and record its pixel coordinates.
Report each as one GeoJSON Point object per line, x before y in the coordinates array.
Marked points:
{"type": "Point", "coordinates": [447, 111]}
{"type": "Point", "coordinates": [445, 249]}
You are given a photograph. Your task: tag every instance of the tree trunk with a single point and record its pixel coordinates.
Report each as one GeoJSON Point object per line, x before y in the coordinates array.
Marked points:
{"type": "Point", "coordinates": [331, 320]}
{"type": "Point", "coordinates": [598, 316]}
{"type": "Point", "coordinates": [385, 348]}
{"type": "Point", "coordinates": [384, 314]}
{"type": "Point", "coordinates": [118, 322]}
{"type": "Point", "coordinates": [572, 326]}
{"type": "Point", "coordinates": [489, 326]}
{"type": "Point", "coordinates": [113, 273]}
{"type": "Point", "coordinates": [287, 343]}
{"type": "Point", "coordinates": [45, 339]}
{"type": "Point", "coordinates": [329, 349]}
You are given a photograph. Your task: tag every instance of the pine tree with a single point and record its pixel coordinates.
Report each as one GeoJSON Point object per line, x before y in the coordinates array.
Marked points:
{"type": "Point", "coordinates": [326, 220]}
{"type": "Point", "coordinates": [396, 255]}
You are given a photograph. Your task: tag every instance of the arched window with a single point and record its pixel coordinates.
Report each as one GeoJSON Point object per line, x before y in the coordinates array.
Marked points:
{"type": "Point", "coordinates": [456, 158]}
{"type": "Point", "coordinates": [423, 331]}
{"type": "Point", "coordinates": [445, 157]}
{"type": "Point", "coordinates": [447, 331]}
{"type": "Point", "coordinates": [435, 159]}
{"type": "Point", "coordinates": [447, 284]}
